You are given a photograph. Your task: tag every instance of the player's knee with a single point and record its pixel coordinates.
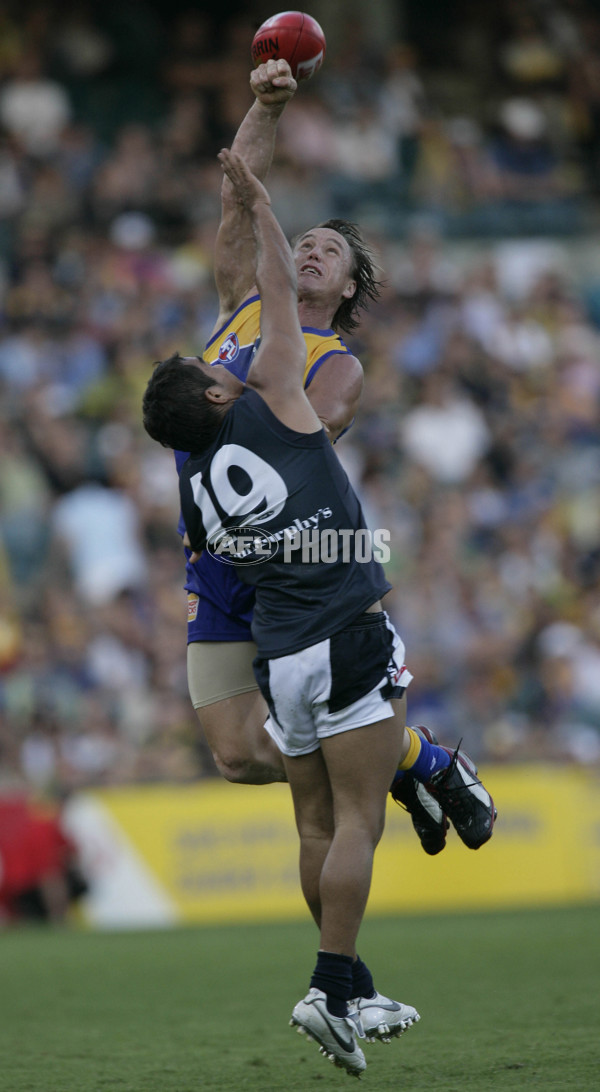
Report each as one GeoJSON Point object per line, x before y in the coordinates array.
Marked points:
{"type": "Point", "coordinates": [242, 770]}
{"type": "Point", "coordinates": [378, 832]}
{"type": "Point", "coordinates": [316, 829]}
{"type": "Point", "coordinates": [367, 828]}
{"type": "Point", "coordinates": [232, 767]}
{"type": "Point", "coordinates": [375, 825]}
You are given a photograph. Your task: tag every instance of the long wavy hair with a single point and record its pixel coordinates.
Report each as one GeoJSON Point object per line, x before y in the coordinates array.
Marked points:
{"type": "Point", "coordinates": [364, 270]}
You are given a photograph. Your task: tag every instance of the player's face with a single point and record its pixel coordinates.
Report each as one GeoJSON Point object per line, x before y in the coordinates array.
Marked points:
{"type": "Point", "coordinates": [324, 265]}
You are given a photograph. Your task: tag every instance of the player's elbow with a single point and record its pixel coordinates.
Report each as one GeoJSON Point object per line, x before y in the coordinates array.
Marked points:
{"type": "Point", "coordinates": [334, 424]}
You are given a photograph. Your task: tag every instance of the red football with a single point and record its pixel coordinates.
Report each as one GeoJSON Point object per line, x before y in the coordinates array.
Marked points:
{"type": "Point", "coordinates": [293, 36]}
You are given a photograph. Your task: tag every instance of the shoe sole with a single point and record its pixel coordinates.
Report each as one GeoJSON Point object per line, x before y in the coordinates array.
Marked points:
{"type": "Point", "coordinates": [426, 838]}
{"type": "Point", "coordinates": [469, 766]}
{"type": "Point", "coordinates": [384, 1034]}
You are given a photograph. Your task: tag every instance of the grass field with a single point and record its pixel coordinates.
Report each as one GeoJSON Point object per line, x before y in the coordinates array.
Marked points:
{"type": "Point", "coordinates": [509, 1001]}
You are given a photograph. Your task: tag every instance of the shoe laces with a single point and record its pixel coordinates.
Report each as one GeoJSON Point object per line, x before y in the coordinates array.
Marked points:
{"type": "Point", "coordinates": [457, 789]}
{"type": "Point", "coordinates": [453, 762]}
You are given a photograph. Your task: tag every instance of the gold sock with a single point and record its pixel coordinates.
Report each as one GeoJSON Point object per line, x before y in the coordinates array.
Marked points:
{"type": "Point", "coordinates": [413, 751]}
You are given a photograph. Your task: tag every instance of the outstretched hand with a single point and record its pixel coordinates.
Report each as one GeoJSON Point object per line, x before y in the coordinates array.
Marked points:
{"type": "Point", "coordinates": [272, 83]}
{"type": "Point", "coordinates": [247, 188]}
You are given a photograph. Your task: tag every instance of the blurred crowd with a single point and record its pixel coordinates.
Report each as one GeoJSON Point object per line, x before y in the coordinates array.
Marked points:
{"type": "Point", "coordinates": [471, 160]}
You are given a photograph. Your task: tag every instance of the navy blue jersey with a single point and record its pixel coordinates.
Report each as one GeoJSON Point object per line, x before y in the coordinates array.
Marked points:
{"type": "Point", "coordinates": [286, 498]}
{"type": "Point", "coordinates": [223, 604]}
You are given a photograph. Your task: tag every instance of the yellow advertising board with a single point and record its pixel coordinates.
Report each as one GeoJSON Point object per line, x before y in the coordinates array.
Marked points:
{"type": "Point", "coordinates": [214, 852]}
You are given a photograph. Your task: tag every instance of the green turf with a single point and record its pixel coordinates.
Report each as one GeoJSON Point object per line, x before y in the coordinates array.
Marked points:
{"type": "Point", "coordinates": [509, 1001]}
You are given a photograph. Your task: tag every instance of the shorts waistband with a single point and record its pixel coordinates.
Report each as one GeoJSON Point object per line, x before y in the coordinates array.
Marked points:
{"type": "Point", "coordinates": [366, 619]}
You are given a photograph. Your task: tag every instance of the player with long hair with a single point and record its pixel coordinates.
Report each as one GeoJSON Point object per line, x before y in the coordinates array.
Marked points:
{"type": "Point", "coordinates": [333, 676]}
{"type": "Point", "coordinates": [336, 278]}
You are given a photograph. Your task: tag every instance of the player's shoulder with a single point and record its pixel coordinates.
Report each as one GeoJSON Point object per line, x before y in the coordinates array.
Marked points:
{"type": "Point", "coordinates": [324, 340]}
{"type": "Point", "coordinates": [236, 314]}
{"type": "Point", "coordinates": [235, 333]}
{"type": "Point", "coordinates": [327, 352]}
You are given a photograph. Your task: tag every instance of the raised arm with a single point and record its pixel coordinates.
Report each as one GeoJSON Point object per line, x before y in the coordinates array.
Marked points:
{"type": "Point", "coordinates": [235, 258]}
{"type": "Point", "coordinates": [277, 371]}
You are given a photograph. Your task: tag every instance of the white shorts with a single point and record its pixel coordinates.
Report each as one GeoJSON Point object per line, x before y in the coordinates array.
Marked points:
{"type": "Point", "coordinates": [344, 682]}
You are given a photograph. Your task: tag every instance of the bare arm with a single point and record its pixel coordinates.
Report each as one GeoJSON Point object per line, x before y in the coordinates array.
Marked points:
{"type": "Point", "coordinates": [235, 255]}
{"type": "Point", "coordinates": [277, 371]}
{"type": "Point", "coordinates": [335, 392]}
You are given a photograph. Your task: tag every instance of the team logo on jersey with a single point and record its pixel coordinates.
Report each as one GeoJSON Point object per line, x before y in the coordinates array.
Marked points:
{"type": "Point", "coordinates": [229, 349]}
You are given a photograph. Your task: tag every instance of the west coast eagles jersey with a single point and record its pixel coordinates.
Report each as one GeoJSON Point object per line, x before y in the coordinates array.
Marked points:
{"type": "Point", "coordinates": [220, 604]}
{"type": "Point", "coordinates": [235, 344]}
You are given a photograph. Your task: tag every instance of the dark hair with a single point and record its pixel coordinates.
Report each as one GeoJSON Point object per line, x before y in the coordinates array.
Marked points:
{"type": "Point", "coordinates": [175, 411]}
{"type": "Point", "coordinates": [363, 270]}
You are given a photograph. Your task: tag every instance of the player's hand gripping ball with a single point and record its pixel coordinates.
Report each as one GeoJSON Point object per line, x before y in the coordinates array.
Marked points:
{"type": "Point", "coordinates": [294, 37]}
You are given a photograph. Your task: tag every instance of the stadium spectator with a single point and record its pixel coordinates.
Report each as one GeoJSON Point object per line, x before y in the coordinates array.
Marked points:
{"type": "Point", "coordinates": [529, 57]}
{"type": "Point", "coordinates": [447, 433]}
{"type": "Point", "coordinates": [33, 108]}
{"type": "Point", "coordinates": [522, 154]}
{"type": "Point", "coordinates": [402, 105]}
{"type": "Point", "coordinates": [40, 875]}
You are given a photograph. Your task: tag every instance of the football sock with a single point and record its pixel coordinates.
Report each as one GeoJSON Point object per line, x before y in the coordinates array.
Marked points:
{"type": "Point", "coordinates": [423, 759]}
{"type": "Point", "coordinates": [362, 979]}
{"type": "Point", "coordinates": [333, 975]}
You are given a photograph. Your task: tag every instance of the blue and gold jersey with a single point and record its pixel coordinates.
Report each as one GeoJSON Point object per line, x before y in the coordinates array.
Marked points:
{"type": "Point", "coordinates": [220, 605]}
{"type": "Point", "coordinates": [235, 344]}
